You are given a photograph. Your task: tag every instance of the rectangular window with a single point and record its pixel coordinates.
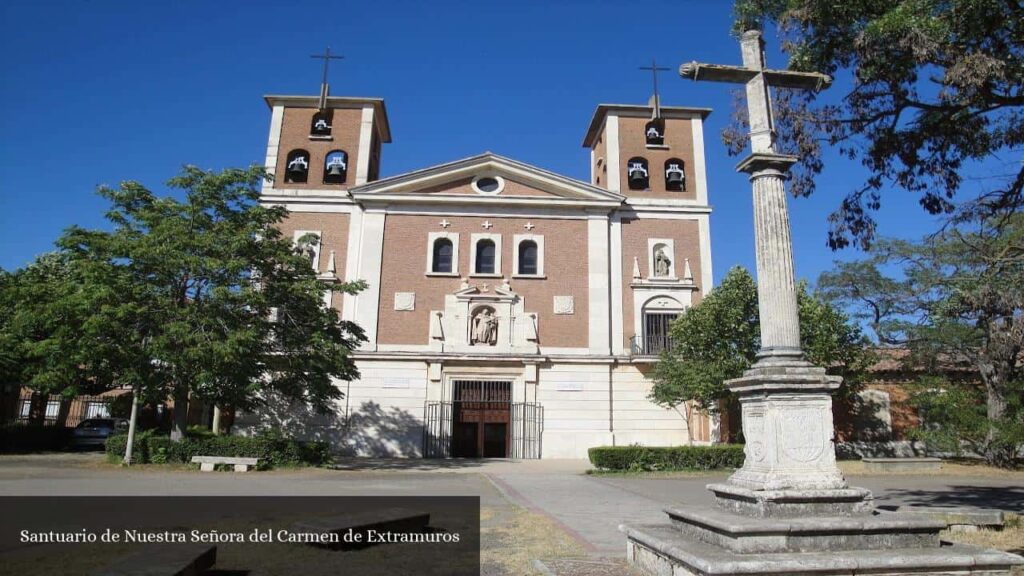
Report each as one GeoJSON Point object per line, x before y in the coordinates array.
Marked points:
{"type": "Point", "coordinates": [52, 409]}
{"type": "Point", "coordinates": [97, 410]}
{"type": "Point", "coordinates": [656, 333]}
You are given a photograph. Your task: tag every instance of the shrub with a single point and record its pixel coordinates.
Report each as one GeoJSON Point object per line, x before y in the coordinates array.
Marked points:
{"type": "Point", "coordinates": [271, 450]}
{"type": "Point", "coordinates": [650, 458]}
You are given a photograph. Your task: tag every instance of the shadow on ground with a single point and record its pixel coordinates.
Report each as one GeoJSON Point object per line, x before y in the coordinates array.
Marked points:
{"type": "Point", "coordinates": [1009, 498]}
{"type": "Point", "coordinates": [410, 464]}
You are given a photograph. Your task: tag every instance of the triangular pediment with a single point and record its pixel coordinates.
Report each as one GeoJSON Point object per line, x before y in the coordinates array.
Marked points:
{"type": "Point", "coordinates": [487, 178]}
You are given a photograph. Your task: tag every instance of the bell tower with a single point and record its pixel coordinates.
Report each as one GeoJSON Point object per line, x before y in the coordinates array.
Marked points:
{"type": "Point", "coordinates": [650, 151]}
{"type": "Point", "coordinates": [325, 142]}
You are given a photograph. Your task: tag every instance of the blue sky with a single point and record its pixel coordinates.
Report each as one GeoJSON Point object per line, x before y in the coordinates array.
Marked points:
{"type": "Point", "coordinates": [98, 92]}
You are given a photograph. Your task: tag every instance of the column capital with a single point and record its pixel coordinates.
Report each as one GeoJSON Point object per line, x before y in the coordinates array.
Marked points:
{"type": "Point", "coordinates": [766, 162]}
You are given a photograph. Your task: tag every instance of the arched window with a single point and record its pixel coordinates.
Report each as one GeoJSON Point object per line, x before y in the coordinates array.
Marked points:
{"type": "Point", "coordinates": [336, 167]}
{"type": "Point", "coordinates": [443, 251]}
{"type": "Point", "coordinates": [639, 177]}
{"type": "Point", "coordinates": [485, 257]}
{"type": "Point", "coordinates": [527, 257]}
{"type": "Point", "coordinates": [320, 125]}
{"type": "Point", "coordinates": [297, 166]}
{"type": "Point", "coordinates": [675, 176]}
{"type": "Point", "coordinates": [654, 132]}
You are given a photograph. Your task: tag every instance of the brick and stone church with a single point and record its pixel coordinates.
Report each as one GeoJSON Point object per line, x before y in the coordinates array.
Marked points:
{"type": "Point", "coordinates": [511, 311]}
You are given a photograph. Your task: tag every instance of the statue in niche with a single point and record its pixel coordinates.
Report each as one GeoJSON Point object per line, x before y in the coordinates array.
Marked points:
{"type": "Point", "coordinates": [662, 265]}
{"type": "Point", "coordinates": [307, 248]}
{"type": "Point", "coordinates": [485, 328]}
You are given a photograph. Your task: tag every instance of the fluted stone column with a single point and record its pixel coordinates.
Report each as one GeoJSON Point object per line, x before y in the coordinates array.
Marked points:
{"type": "Point", "coordinates": [776, 287]}
{"type": "Point", "coordinates": [786, 402]}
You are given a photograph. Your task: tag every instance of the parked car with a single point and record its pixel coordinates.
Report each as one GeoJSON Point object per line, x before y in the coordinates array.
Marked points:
{"type": "Point", "coordinates": [93, 433]}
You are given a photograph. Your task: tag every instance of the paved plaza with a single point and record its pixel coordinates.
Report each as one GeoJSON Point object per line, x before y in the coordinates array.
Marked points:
{"type": "Point", "coordinates": [587, 507]}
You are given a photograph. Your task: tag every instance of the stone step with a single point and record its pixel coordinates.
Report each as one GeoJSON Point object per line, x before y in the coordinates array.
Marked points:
{"type": "Point", "coordinates": [662, 549]}
{"type": "Point", "coordinates": [874, 531]}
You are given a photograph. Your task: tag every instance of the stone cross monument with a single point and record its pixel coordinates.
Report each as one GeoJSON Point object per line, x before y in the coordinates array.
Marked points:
{"type": "Point", "coordinates": [789, 510]}
{"type": "Point", "coordinates": [786, 402]}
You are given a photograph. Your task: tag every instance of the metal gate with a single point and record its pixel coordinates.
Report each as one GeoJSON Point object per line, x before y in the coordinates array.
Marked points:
{"type": "Point", "coordinates": [527, 430]}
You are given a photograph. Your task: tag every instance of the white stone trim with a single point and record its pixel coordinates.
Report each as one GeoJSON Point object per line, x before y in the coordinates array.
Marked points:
{"type": "Point", "coordinates": [370, 258]}
{"type": "Point", "coordinates": [499, 179]}
{"type": "Point", "coordinates": [670, 247]}
{"type": "Point", "coordinates": [593, 168]}
{"type": "Point", "coordinates": [518, 239]}
{"type": "Point", "coordinates": [615, 255]}
{"type": "Point", "coordinates": [352, 257]}
{"type": "Point", "coordinates": [273, 143]}
{"type": "Point", "coordinates": [475, 238]}
{"type": "Point", "coordinates": [433, 237]}
{"type": "Point", "coordinates": [706, 278]}
{"type": "Point", "coordinates": [316, 247]}
{"type": "Point", "coordinates": [365, 140]}
{"type": "Point", "coordinates": [642, 296]}
{"type": "Point", "coordinates": [612, 159]}
{"type": "Point", "coordinates": [599, 306]}
{"type": "Point", "coordinates": [699, 168]}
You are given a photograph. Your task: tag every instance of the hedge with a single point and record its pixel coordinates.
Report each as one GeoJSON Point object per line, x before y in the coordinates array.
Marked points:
{"type": "Point", "coordinates": [271, 450]}
{"type": "Point", "coordinates": [649, 458]}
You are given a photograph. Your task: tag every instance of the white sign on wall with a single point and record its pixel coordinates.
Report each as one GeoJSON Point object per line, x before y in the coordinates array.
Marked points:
{"type": "Point", "coordinates": [396, 382]}
{"type": "Point", "coordinates": [569, 386]}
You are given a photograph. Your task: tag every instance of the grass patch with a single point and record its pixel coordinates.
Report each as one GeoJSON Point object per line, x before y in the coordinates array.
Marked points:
{"type": "Point", "coordinates": [1009, 539]}
{"type": "Point", "coordinates": [516, 537]}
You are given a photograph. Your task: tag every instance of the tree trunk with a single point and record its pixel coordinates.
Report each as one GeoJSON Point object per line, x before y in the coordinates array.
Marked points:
{"type": "Point", "coordinates": [180, 424]}
{"type": "Point", "coordinates": [215, 427]}
{"type": "Point", "coordinates": [997, 453]}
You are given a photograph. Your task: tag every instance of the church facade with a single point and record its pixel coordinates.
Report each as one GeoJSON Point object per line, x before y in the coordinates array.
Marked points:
{"type": "Point", "coordinates": [510, 311]}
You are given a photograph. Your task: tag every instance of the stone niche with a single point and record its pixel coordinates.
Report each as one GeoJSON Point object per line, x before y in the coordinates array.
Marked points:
{"type": "Point", "coordinates": [484, 319]}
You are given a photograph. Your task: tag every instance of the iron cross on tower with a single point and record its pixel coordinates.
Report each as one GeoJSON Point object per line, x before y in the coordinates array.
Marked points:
{"type": "Point", "coordinates": [654, 68]}
{"type": "Point", "coordinates": [324, 88]}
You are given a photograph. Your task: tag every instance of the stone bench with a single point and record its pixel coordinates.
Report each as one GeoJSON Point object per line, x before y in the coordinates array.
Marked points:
{"type": "Point", "coordinates": [165, 560]}
{"type": "Point", "coordinates": [902, 464]}
{"type": "Point", "coordinates": [207, 463]}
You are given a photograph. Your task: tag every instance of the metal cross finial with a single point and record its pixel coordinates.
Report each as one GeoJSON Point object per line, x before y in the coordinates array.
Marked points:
{"type": "Point", "coordinates": [326, 57]}
{"type": "Point", "coordinates": [654, 68]}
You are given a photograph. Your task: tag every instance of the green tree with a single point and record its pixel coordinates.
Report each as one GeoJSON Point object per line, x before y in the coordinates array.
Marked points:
{"type": "Point", "coordinates": [719, 338]}
{"type": "Point", "coordinates": [926, 88]}
{"type": "Point", "coordinates": [958, 298]}
{"type": "Point", "coordinates": [195, 298]}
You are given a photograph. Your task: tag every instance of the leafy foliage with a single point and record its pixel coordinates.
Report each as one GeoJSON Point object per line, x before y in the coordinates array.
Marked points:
{"type": "Point", "coordinates": [272, 450]}
{"type": "Point", "coordinates": [638, 458]}
{"type": "Point", "coordinates": [719, 338]}
{"type": "Point", "coordinates": [194, 298]}
{"type": "Point", "coordinates": [958, 298]}
{"type": "Point", "coordinates": [934, 86]}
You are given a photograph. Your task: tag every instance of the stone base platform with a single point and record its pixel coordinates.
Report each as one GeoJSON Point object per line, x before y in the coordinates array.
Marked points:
{"type": "Point", "coordinates": [875, 531]}
{"type": "Point", "coordinates": [662, 550]}
{"type": "Point", "coordinates": [792, 503]}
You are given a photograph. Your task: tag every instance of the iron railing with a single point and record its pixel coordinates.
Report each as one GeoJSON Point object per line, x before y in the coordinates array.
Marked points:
{"type": "Point", "coordinates": [651, 345]}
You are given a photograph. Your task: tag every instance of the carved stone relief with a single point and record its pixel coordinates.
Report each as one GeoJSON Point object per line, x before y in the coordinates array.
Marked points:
{"type": "Point", "coordinates": [564, 305]}
{"type": "Point", "coordinates": [405, 300]}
